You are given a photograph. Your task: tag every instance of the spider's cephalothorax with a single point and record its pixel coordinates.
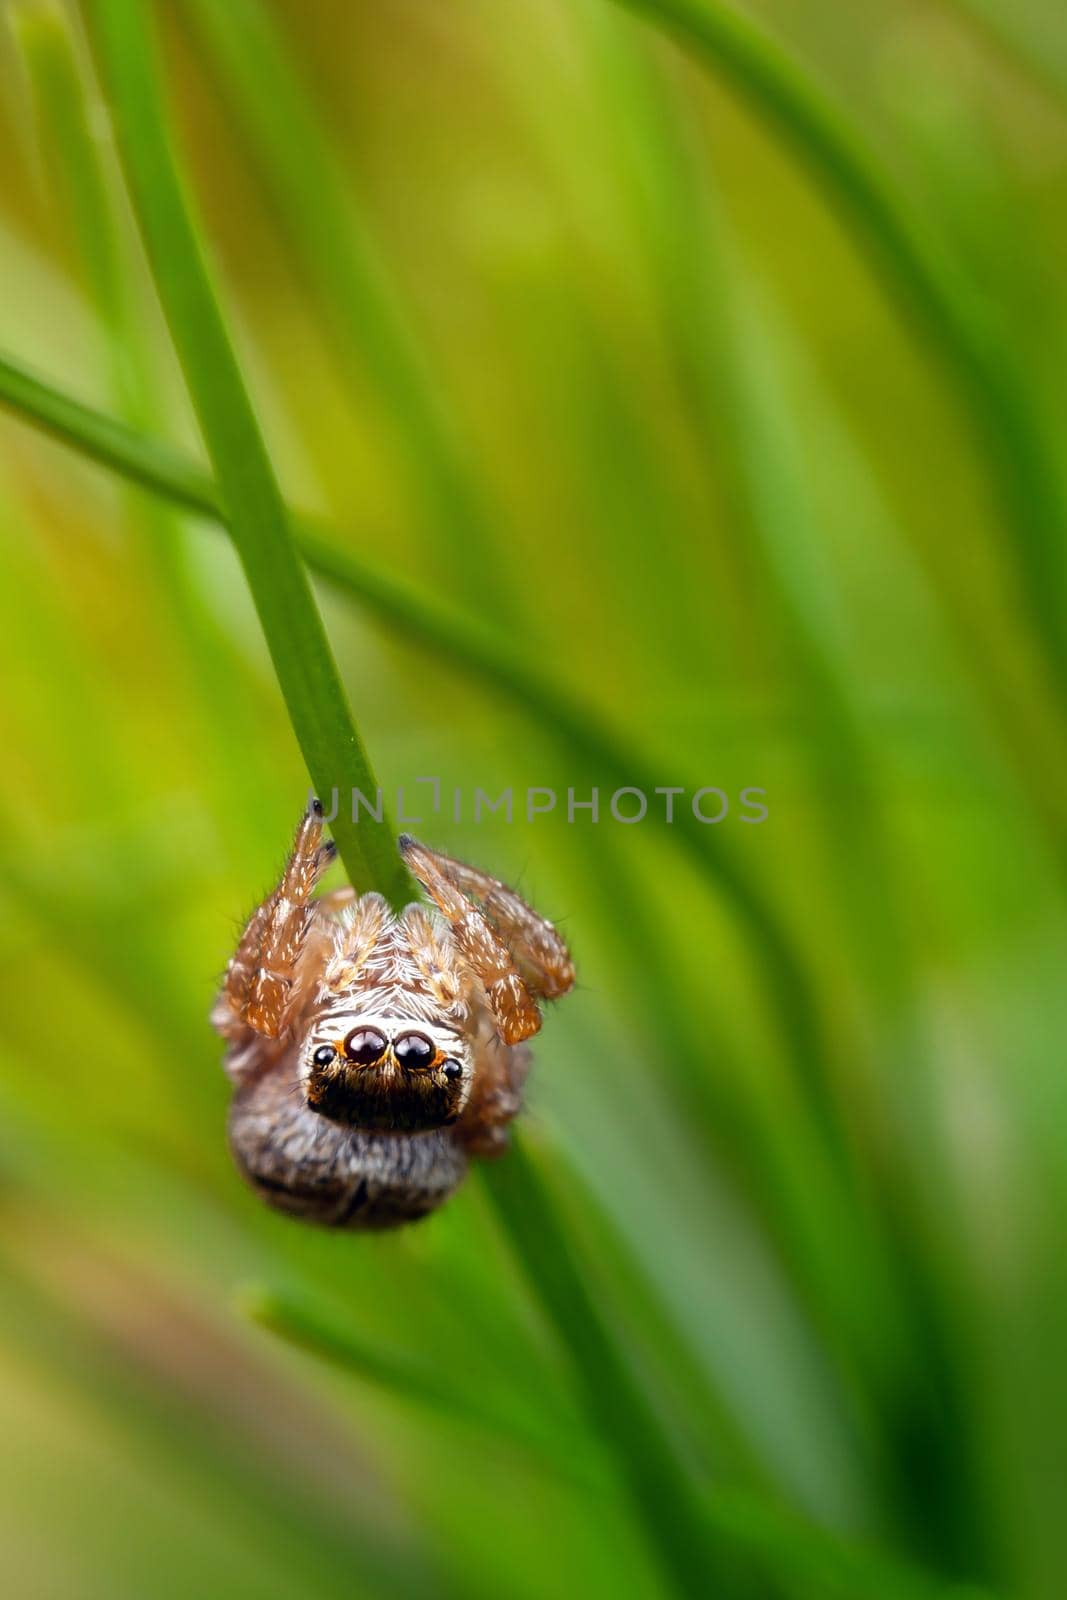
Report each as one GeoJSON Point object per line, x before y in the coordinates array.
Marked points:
{"type": "Point", "coordinates": [374, 1052]}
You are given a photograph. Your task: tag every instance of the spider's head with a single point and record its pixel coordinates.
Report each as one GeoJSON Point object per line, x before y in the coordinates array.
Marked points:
{"type": "Point", "coordinates": [386, 1075]}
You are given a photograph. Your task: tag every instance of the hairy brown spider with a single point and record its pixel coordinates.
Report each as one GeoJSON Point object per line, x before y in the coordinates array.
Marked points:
{"type": "Point", "coordinates": [374, 1053]}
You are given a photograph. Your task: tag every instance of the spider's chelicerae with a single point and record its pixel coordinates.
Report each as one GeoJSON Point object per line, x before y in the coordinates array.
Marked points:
{"type": "Point", "coordinates": [373, 1054]}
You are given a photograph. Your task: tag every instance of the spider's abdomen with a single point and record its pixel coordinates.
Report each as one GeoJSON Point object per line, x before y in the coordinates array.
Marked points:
{"type": "Point", "coordinates": [338, 1176]}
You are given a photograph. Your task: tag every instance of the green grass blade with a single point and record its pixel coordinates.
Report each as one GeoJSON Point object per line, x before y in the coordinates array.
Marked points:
{"type": "Point", "coordinates": [148, 462]}
{"type": "Point", "coordinates": [921, 279]}
{"type": "Point", "coordinates": [664, 1497]}
{"type": "Point", "coordinates": [283, 127]}
{"type": "Point", "coordinates": [84, 195]}
{"type": "Point", "coordinates": [308, 1326]}
{"type": "Point", "coordinates": [292, 626]}
{"type": "Point", "coordinates": [78, 191]}
{"type": "Point", "coordinates": [823, 1563]}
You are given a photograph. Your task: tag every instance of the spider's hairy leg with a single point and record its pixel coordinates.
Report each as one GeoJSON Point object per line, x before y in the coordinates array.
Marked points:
{"type": "Point", "coordinates": [538, 950]}
{"type": "Point", "coordinates": [259, 982]}
{"type": "Point", "coordinates": [510, 1001]}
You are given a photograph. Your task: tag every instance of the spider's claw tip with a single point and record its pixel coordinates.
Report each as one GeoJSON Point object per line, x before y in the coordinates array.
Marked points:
{"type": "Point", "coordinates": [315, 806]}
{"type": "Point", "coordinates": [406, 843]}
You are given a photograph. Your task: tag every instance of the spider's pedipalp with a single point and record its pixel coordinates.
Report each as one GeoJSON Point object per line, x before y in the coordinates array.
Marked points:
{"type": "Point", "coordinates": [355, 939]}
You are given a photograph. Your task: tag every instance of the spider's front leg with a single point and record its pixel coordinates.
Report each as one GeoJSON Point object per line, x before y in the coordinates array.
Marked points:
{"type": "Point", "coordinates": [518, 955]}
{"type": "Point", "coordinates": [519, 958]}
{"type": "Point", "coordinates": [260, 988]}
{"type": "Point", "coordinates": [535, 945]}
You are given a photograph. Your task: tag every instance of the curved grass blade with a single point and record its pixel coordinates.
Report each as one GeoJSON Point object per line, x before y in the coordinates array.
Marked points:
{"type": "Point", "coordinates": [83, 194]}
{"type": "Point", "coordinates": [243, 45]}
{"type": "Point", "coordinates": [77, 187]}
{"type": "Point", "coordinates": [925, 283]}
{"type": "Point", "coordinates": [306, 1325]}
{"type": "Point", "coordinates": [292, 626]}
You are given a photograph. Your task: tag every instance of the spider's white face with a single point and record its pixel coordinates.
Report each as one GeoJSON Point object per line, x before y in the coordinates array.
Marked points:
{"type": "Point", "coordinates": [386, 1073]}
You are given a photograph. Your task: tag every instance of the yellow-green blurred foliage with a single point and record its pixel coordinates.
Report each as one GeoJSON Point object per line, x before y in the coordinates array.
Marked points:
{"type": "Point", "coordinates": [541, 318]}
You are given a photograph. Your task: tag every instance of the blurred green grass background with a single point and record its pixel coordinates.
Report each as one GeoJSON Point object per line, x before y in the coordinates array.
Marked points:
{"type": "Point", "coordinates": [676, 473]}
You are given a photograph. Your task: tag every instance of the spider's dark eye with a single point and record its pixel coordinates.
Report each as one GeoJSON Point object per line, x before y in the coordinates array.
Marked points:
{"type": "Point", "coordinates": [451, 1069]}
{"type": "Point", "coordinates": [413, 1050]}
{"type": "Point", "coordinates": [324, 1055]}
{"type": "Point", "coordinates": [365, 1046]}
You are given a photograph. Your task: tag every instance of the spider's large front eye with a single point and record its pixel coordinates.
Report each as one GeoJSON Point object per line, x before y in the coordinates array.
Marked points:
{"type": "Point", "coordinates": [413, 1050]}
{"type": "Point", "coordinates": [365, 1046]}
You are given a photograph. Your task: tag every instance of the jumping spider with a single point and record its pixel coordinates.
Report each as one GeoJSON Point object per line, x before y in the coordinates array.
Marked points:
{"type": "Point", "coordinates": [374, 1053]}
